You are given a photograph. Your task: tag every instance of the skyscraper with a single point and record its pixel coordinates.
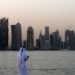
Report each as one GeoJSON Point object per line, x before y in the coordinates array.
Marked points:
{"type": "Point", "coordinates": [43, 44]}
{"type": "Point", "coordinates": [47, 33]}
{"type": "Point", "coordinates": [4, 33]}
{"type": "Point", "coordinates": [55, 38]}
{"type": "Point", "coordinates": [40, 40]}
{"type": "Point", "coordinates": [30, 38]}
{"type": "Point", "coordinates": [70, 39]}
{"type": "Point", "coordinates": [67, 32]}
{"type": "Point", "coordinates": [16, 38]}
{"type": "Point", "coordinates": [47, 38]}
{"type": "Point", "coordinates": [37, 44]}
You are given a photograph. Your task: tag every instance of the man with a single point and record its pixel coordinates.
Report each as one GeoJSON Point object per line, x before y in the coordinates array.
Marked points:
{"type": "Point", "coordinates": [22, 61]}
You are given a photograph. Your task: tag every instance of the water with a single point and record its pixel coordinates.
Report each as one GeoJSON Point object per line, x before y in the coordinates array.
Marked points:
{"type": "Point", "coordinates": [40, 63]}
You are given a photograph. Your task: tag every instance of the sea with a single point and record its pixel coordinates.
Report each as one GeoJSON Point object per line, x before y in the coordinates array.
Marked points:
{"type": "Point", "coordinates": [39, 63]}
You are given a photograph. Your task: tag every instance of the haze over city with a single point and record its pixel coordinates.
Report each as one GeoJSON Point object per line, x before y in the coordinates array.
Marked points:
{"type": "Point", "coordinates": [57, 14]}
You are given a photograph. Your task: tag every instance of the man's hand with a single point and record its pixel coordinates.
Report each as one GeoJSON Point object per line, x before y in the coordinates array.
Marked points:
{"type": "Point", "coordinates": [27, 57]}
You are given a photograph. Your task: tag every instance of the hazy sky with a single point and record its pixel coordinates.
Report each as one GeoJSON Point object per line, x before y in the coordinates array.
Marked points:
{"type": "Point", "coordinates": [57, 14]}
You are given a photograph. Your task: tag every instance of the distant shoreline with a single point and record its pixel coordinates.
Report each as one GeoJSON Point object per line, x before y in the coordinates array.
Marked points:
{"type": "Point", "coordinates": [42, 50]}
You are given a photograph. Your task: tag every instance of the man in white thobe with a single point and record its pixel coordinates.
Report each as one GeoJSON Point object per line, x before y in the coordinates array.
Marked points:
{"type": "Point", "coordinates": [22, 61]}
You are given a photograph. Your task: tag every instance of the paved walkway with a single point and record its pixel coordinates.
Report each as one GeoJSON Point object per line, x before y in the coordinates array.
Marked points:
{"type": "Point", "coordinates": [40, 63]}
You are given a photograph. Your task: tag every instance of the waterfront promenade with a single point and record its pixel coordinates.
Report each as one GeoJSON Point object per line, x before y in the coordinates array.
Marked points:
{"type": "Point", "coordinates": [40, 63]}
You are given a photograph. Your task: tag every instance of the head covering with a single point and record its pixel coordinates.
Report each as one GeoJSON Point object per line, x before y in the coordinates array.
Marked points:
{"type": "Point", "coordinates": [19, 55]}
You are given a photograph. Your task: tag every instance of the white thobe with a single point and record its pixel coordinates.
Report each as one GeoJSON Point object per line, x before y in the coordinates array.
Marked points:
{"type": "Point", "coordinates": [22, 62]}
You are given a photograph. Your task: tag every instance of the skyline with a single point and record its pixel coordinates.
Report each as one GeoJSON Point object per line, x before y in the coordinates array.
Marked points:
{"type": "Point", "coordinates": [44, 41]}
{"type": "Point", "coordinates": [57, 14]}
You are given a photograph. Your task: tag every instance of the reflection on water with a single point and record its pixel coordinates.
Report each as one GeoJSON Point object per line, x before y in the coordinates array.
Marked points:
{"type": "Point", "coordinates": [40, 63]}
